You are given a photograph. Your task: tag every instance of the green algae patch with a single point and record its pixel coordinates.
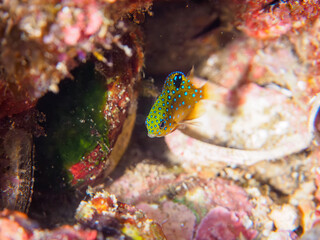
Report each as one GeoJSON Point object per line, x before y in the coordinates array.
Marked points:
{"type": "Point", "coordinates": [75, 123]}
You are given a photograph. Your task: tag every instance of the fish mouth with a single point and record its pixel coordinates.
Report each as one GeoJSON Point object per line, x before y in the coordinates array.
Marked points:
{"type": "Point", "coordinates": [151, 135]}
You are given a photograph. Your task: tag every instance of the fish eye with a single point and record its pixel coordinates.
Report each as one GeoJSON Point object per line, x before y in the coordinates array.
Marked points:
{"type": "Point", "coordinates": [177, 80]}
{"type": "Point", "coordinates": [161, 125]}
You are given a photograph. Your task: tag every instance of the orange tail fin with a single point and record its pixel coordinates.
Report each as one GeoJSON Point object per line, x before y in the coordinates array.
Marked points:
{"type": "Point", "coordinates": [214, 92]}
{"type": "Point", "coordinates": [211, 92]}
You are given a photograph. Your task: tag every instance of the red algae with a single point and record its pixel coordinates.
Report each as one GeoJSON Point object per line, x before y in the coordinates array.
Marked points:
{"type": "Point", "coordinates": [90, 166]}
{"type": "Point", "coordinates": [220, 223]}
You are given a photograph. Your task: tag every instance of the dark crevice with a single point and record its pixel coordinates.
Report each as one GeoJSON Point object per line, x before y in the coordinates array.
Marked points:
{"type": "Point", "coordinates": [216, 23]}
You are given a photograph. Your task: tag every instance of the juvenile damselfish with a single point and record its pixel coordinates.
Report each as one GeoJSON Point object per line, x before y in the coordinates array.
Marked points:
{"type": "Point", "coordinates": [178, 103]}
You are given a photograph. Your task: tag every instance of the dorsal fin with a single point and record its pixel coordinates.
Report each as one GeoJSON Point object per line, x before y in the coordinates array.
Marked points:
{"type": "Point", "coordinates": [191, 73]}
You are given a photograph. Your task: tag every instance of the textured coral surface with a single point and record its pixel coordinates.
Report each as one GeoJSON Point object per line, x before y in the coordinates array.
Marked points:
{"type": "Point", "coordinates": [248, 168]}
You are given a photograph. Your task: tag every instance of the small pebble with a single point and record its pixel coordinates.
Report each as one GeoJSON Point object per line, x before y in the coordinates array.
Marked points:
{"type": "Point", "coordinates": [285, 218]}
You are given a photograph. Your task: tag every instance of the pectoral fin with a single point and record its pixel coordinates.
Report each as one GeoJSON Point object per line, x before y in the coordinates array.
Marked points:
{"type": "Point", "coordinates": [198, 110]}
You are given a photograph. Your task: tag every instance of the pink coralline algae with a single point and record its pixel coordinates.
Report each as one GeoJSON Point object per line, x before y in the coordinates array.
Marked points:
{"type": "Point", "coordinates": [297, 20]}
{"type": "Point", "coordinates": [66, 232]}
{"type": "Point", "coordinates": [81, 23]}
{"type": "Point", "coordinates": [220, 223]}
{"type": "Point", "coordinates": [180, 203]}
{"type": "Point", "coordinates": [267, 102]}
{"type": "Point", "coordinates": [46, 42]}
{"type": "Point", "coordinates": [16, 226]}
{"type": "Point", "coordinates": [255, 101]}
{"type": "Point", "coordinates": [43, 42]}
{"type": "Point", "coordinates": [177, 220]}
{"type": "Point", "coordinates": [99, 218]}
{"type": "Point", "coordinates": [308, 49]}
{"type": "Point", "coordinates": [265, 19]}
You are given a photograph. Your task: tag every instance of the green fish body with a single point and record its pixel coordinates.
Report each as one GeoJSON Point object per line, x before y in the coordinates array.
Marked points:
{"type": "Point", "coordinates": [175, 105]}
